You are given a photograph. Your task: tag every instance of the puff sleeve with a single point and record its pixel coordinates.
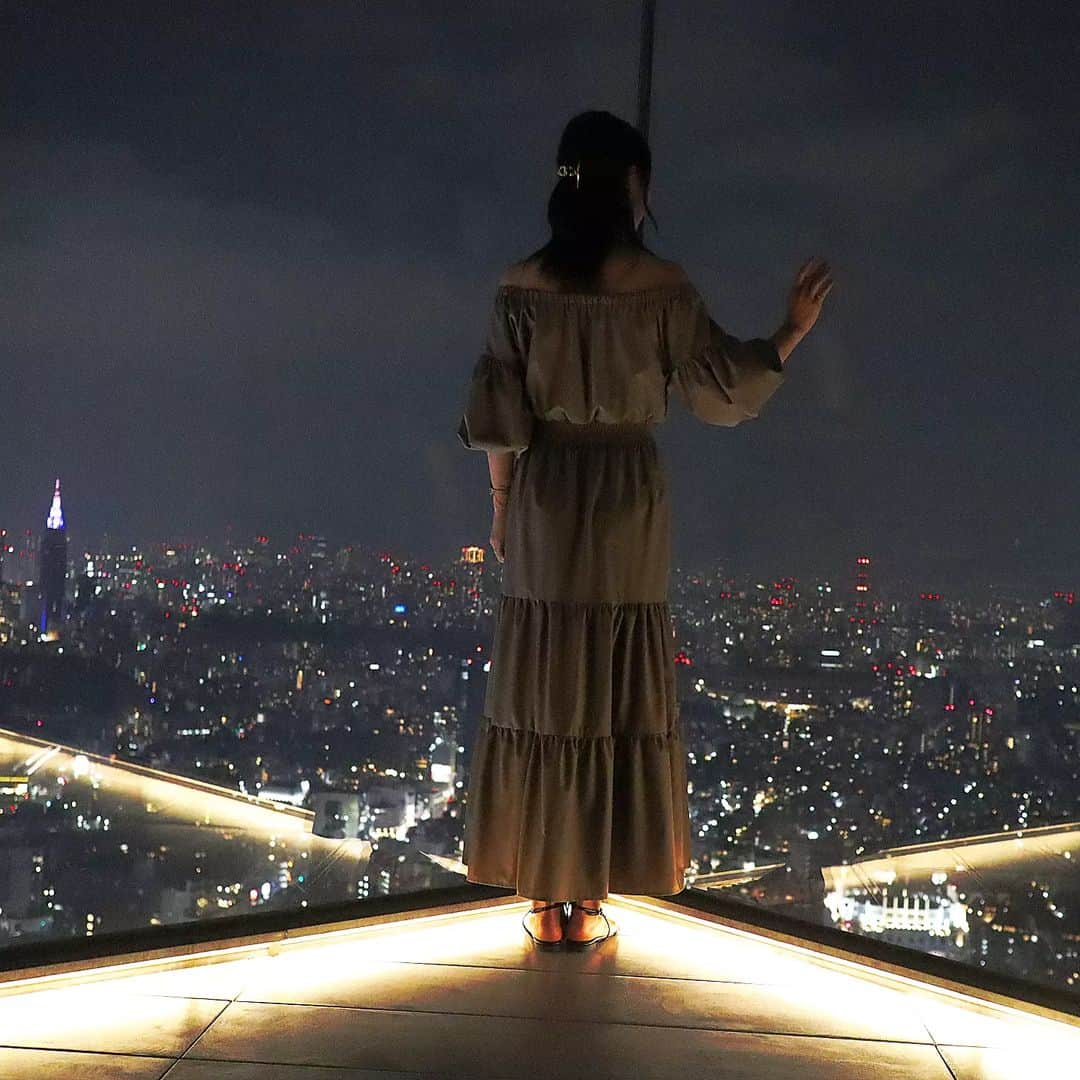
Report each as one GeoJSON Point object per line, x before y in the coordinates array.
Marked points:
{"type": "Point", "coordinates": [721, 379]}
{"type": "Point", "coordinates": [498, 413]}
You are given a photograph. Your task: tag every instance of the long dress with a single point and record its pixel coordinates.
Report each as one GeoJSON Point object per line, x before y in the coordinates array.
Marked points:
{"type": "Point", "coordinates": [578, 781]}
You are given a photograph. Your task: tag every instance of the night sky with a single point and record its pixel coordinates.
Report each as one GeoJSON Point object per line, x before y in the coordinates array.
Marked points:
{"type": "Point", "coordinates": [248, 252]}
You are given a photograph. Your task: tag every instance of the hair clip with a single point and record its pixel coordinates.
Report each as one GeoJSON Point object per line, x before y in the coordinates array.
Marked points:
{"type": "Point", "coordinates": [571, 170]}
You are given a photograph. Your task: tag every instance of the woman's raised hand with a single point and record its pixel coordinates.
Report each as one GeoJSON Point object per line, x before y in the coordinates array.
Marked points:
{"type": "Point", "coordinates": [812, 285]}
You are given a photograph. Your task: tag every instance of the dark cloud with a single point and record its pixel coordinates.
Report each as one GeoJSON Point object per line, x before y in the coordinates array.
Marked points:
{"type": "Point", "coordinates": [246, 262]}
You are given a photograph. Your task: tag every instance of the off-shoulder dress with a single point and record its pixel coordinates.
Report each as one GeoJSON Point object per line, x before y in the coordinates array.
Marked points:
{"type": "Point", "coordinates": [578, 784]}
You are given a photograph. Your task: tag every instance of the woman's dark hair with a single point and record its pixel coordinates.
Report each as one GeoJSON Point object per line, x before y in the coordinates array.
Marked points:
{"type": "Point", "coordinates": [590, 217]}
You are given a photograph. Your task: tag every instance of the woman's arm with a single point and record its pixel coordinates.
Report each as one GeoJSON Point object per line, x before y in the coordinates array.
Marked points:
{"type": "Point", "coordinates": [812, 285]}
{"type": "Point", "coordinates": [786, 338]}
{"type": "Point", "coordinates": [500, 465]}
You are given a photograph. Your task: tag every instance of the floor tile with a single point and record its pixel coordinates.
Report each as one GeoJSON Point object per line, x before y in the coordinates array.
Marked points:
{"type": "Point", "coordinates": [19, 1064]}
{"type": "Point", "coordinates": [503, 1047]}
{"type": "Point", "coordinates": [220, 982]}
{"type": "Point", "coordinates": [973, 1024]}
{"type": "Point", "coordinates": [1027, 1063]}
{"type": "Point", "coordinates": [647, 944]}
{"type": "Point", "coordinates": [843, 1007]}
{"type": "Point", "coordinates": [469, 996]}
{"type": "Point", "coordinates": [247, 1070]}
{"type": "Point", "coordinates": [96, 1017]}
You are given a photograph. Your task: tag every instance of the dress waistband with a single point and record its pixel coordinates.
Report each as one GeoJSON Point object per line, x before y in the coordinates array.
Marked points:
{"type": "Point", "coordinates": [592, 431]}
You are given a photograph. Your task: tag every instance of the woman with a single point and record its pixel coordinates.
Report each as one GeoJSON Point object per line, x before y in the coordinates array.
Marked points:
{"type": "Point", "coordinates": [578, 780]}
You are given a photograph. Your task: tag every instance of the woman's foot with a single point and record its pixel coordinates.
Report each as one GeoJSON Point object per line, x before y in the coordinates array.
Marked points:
{"type": "Point", "coordinates": [583, 926]}
{"type": "Point", "coordinates": [544, 922]}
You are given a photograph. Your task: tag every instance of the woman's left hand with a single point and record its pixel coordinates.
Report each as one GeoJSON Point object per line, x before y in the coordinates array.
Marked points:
{"type": "Point", "coordinates": [498, 533]}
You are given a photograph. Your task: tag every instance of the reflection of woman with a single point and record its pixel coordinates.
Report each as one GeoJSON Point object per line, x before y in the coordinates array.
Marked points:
{"type": "Point", "coordinates": [578, 781]}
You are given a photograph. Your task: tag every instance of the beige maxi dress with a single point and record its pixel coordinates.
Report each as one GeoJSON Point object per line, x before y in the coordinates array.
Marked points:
{"type": "Point", "coordinates": [578, 783]}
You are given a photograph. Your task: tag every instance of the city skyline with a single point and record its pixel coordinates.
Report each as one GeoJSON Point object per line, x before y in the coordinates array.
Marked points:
{"type": "Point", "coordinates": [20, 548]}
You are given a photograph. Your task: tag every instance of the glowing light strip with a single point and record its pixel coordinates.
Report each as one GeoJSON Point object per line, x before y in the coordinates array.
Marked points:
{"type": "Point", "coordinates": [48, 755]}
{"type": "Point", "coordinates": [131, 769]}
{"type": "Point", "coordinates": [314, 938]}
{"type": "Point", "coordinates": [34, 756]}
{"type": "Point", "coordinates": [1023, 833]}
{"type": "Point", "coordinates": [862, 969]}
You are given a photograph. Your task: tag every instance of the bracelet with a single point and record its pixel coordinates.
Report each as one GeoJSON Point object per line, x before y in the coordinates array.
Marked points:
{"type": "Point", "coordinates": [492, 489]}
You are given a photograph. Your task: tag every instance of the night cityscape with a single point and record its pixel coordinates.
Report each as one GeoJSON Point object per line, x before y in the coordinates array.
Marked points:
{"type": "Point", "coordinates": [827, 722]}
{"type": "Point", "coordinates": [737, 739]}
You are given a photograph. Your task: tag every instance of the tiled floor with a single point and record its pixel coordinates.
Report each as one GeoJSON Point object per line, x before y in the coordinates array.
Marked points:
{"type": "Point", "coordinates": [466, 995]}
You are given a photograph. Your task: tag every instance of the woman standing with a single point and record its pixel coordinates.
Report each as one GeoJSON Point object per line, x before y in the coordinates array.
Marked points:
{"type": "Point", "coordinates": [578, 780]}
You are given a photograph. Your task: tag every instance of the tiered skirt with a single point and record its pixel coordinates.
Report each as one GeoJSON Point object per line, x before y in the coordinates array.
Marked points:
{"type": "Point", "coordinates": [577, 778]}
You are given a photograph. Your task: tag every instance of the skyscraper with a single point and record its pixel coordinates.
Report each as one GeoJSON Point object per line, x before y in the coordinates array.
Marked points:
{"type": "Point", "coordinates": [862, 605]}
{"type": "Point", "coordinates": [52, 569]}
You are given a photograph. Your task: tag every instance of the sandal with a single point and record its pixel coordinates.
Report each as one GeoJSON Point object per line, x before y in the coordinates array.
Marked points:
{"type": "Point", "coordinates": [612, 929]}
{"type": "Point", "coordinates": [540, 943]}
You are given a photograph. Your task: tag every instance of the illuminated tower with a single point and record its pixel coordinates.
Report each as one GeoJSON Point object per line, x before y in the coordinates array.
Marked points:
{"type": "Point", "coordinates": [52, 570]}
